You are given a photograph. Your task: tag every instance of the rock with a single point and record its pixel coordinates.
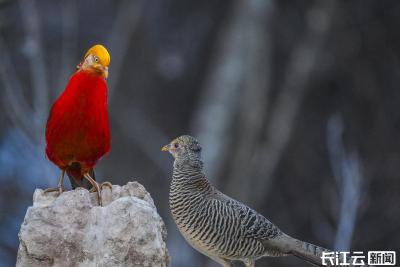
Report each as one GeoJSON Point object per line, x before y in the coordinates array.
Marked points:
{"type": "Point", "coordinates": [72, 230]}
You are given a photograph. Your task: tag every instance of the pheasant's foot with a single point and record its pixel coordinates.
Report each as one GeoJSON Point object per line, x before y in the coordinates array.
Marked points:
{"type": "Point", "coordinates": [54, 189]}
{"type": "Point", "coordinates": [108, 184]}
{"type": "Point", "coordinates": [60, 187]}
{"type": "Point", "coordinates": [106, 192]}
{"type": "Point", "coordinates": [95, 188]}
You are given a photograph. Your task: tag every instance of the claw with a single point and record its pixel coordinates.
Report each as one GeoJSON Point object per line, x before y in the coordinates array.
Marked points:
{"type": "Point", "coordinates": [93, 189]}
{"type": "Point", "coordinates": [106, 184]}
{"type": "Point", "coordinates": [54, 189]}
{"type": "Point", "coordinates": [96, 187]}
{"type": "Point", "coordinates": [60, 187]}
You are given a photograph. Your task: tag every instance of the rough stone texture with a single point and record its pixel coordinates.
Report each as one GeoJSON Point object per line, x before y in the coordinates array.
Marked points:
{"type": "Point", "coordinates": [72, 230]}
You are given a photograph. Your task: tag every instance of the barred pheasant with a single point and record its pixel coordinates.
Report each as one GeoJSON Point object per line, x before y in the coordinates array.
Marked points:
{"type": "Point", "coordinates": [218, 226]}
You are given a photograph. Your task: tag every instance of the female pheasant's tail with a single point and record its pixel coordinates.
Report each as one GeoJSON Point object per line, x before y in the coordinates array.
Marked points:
{"type": "Point", "coordinates": [283, 245]}
{"type": "Point", "coordinates": [319, 256]}
{"type": "Point", "coordinates": [310, 253]}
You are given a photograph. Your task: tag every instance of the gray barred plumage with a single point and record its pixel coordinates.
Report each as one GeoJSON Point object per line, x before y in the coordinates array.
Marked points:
{"type": "Point", "coordinates": [218, 226]}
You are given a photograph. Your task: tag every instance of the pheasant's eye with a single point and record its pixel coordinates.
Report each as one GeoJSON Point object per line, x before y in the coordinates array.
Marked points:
{"type": "Point", "coordinates": [176, 145]}
{"type": "Point", "coordinates": [96, 59]}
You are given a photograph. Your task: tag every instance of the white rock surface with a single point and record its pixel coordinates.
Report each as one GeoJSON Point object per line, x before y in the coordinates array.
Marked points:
{"type": "Point", "coordinates": [72, 230]}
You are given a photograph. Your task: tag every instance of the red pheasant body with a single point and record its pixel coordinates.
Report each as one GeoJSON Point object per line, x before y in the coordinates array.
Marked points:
{"type": "Point", "coordinates": [77, 128]}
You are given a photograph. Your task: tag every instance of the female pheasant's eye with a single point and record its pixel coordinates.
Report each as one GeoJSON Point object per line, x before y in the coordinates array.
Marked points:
{"type": "Point", "coordinates": [176, 145]}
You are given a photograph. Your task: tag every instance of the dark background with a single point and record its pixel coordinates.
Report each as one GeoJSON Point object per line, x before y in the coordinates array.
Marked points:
{"type": "Point", "coordinates": [296, 104]}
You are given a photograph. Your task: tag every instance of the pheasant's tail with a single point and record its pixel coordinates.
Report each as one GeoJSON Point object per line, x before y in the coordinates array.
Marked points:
{"type": "Point", "coordinates": [77, 179]}
{"type": "Point", "coordinates": [309, 252]}
{"type": "Point", "coordinates": [315, 255]}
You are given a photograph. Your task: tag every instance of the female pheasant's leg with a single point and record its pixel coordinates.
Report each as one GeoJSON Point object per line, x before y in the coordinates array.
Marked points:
{"type": "Point", "coordinates": [224, 262]}
{"type": "Point", "coordinates": [249, 263]}
{"type": "Point", "coordinates": [60, 187]}
{"type": "Point", "coordinates": [95, 185]}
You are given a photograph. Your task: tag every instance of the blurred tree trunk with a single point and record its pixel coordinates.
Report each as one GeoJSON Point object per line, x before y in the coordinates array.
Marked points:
{"type": "Point", "coordinates": [238, 78]}
{"type": "Point", "coordinates": [260, 149]}
{"type": "Point", "coordinates": [236, 61]}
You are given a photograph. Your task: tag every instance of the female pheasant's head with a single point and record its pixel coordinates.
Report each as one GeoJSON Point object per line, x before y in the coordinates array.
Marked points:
{"type": "Point", "coordinates": [97, 60]}
{"type": "Point", "coordinates": [185, 149]}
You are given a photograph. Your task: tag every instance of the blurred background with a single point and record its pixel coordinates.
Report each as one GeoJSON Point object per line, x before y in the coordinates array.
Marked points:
{"type": "Point", "coordinates": [296, 104]}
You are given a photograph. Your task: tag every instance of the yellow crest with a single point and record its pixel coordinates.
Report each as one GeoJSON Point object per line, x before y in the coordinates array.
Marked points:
{"type": "Point", "coordinates": [101, 52]}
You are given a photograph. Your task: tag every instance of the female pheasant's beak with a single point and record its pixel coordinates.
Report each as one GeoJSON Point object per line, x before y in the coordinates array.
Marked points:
{"type": "Point", "coordinates": [166, 148]}
{"type": "Point", "coordinates": [171, 148]}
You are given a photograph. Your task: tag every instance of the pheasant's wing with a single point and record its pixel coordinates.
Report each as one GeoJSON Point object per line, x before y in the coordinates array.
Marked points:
{"type": "Point", "coordinates": [254, 224]}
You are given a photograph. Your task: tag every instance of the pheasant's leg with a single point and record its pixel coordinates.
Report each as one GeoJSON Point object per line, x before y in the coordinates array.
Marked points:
{"type": "Point", "coordinates": [95, 185]}
{"type": "Point", "coordinates": [249, 263]}
{"type": "Point", "coordinates": [228, 264]}
{"type": "Point", "coordinates": [61, 182]}
{"type": "Point", "coordinates": [60, 187]}
{"type": "Point", "coordinates": [224, 262]}
{"type": "Point", "coordinates": [93, 189]}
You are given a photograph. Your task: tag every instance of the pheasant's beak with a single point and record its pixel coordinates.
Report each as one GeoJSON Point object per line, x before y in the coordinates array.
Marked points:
{"type": "Point", "coordinates": [105, 72]}
{"type": "Point", "coordinates": [166, 148]}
